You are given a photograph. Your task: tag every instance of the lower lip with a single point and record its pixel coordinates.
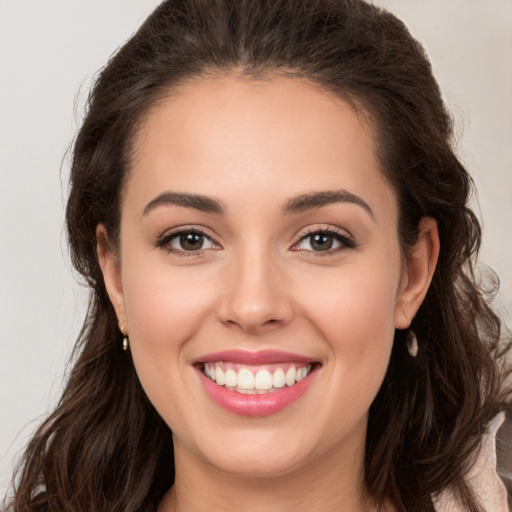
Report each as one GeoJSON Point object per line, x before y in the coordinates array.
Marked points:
{"type": "Point", "coordinates": [258, 404]}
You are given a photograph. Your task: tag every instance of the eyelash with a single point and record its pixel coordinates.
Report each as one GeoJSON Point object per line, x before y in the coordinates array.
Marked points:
{"type": "Point", "coordinates": [165, 241]}
{"type": "Point", "coordinates": [346, 241]}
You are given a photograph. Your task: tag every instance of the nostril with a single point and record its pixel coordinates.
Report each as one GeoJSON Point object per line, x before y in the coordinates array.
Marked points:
{"type": "Point", "coordinates": [258, 308]}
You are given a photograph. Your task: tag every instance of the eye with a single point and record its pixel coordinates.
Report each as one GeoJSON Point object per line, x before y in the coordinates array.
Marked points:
{"type": "Point", "coordinates": [191, 241]}
{"type": "Point", "coordinates": [325, 240]}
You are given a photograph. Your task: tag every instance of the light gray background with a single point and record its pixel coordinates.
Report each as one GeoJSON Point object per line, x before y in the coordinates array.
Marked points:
{"type": "Point", "coordinates": [49, 53]}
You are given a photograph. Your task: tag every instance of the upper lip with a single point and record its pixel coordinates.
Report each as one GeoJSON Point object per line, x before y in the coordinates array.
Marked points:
{"type": "Point", "coordinates": [254, 358]}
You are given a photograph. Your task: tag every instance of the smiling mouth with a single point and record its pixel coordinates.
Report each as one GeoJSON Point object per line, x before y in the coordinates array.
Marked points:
{"type": "Point", "coordinates": [248, 379]}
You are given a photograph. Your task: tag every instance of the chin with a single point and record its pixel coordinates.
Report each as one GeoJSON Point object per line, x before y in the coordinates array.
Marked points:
{"type": "Point", "coordinates": [260, 465]}
{"type": "Point", "coordinates": [261, 453]}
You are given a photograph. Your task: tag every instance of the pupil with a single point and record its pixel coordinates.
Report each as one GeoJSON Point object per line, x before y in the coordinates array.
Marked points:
{"type": "Point", "coordinates": [322, 242]}
{"type": "Point", "coordinates": [191, 241]}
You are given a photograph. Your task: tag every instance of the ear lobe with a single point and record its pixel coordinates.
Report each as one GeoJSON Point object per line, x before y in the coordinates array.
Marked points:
{"type": "Point", "coordinates": [111, 269]}
{"type": "Point", "coordinates": [417, 276]}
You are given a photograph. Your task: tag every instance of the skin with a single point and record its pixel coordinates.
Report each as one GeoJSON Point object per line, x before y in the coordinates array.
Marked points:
{"type": "Point", "coordinates": [260, 284]}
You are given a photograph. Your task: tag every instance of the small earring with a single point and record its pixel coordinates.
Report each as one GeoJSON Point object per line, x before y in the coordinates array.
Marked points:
{"type": "Point", "coordinates": [125, 336]}
{"type": "Point", "coordinates": [412, 343]}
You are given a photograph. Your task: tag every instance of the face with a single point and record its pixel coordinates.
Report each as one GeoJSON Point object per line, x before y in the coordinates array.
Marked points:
{"type": "Point", "coordinates": [259, 274]}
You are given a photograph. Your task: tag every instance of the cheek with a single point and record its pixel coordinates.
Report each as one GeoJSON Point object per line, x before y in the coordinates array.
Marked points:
{"type": "Point", "coordinates": [165, 308]}
{"type": "Point", "coordinates": [157, 306]}
{"type": "Point", "coordinates": [164, 305]}
{"type": "Point", "coordinates": [359, 307]}
{"type": "Point", "coordinates": [361, 337]}
{"type": "Point", "coordinates": [354, 314]}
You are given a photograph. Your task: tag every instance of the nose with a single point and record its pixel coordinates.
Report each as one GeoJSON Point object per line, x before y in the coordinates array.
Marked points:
{"type": "Point", "coordinates": [256, 298]}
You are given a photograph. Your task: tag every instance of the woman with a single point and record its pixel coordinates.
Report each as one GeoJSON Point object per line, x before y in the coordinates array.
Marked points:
{"type": "Point", "coordinates": [265, 203]}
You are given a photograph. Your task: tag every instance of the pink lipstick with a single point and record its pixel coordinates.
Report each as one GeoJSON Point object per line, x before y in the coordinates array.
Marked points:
{"type": "Point", "coordinates": [255, 383]}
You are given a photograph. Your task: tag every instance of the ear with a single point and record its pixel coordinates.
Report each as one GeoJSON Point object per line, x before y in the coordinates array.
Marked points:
{"type": "Point", "coordinates": [111, 269]}
{"type": "Point", "coordinates": [417, 275]}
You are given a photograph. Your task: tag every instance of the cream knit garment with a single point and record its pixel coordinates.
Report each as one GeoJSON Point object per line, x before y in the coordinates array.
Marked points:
{"type": "Point", "coordinates": [482, 477]}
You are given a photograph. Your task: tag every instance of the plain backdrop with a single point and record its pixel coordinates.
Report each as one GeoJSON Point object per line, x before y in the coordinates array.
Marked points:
{"type": "Point", "coordinates": [49, 53]}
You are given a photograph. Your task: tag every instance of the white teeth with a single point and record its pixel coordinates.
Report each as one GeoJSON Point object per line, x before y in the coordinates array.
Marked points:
{"type": "Point", "coordinates": [302, 373]}
{"type": "Point", "coordinates": [278, 378]}
{"type": "Point", "coordinates": [263, 380]}
{"type": "Point", "coordinates": [231, 378]}
{"type": "Point", "coordinates": [219, 376]}
{"type": "Point", "coordinates": [245, 379]}
{"type": "Point", "coordinates": [290, 376]}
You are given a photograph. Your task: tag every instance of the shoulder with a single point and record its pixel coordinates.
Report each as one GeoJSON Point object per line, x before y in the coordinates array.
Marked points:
{"type": "Point", "coordinates": [483, 477]}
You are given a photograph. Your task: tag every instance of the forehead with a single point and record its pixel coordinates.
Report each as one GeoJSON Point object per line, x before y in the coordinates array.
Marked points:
{"type": "Point", "coordinates": [273, 137]}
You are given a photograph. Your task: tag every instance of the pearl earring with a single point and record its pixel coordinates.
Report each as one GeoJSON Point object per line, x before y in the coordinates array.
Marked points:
{"type": "Point", "coordinates": [125, 337]}
{"type": "Point", "coordinates": [412, 343]}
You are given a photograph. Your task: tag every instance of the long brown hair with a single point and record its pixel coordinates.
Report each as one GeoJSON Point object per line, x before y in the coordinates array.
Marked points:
{"type": "Point", "coordinates": [105, 448]}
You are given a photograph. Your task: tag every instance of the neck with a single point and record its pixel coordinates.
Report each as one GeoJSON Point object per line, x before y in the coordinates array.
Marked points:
{"type": "Point", "coordinates": [332, 483]}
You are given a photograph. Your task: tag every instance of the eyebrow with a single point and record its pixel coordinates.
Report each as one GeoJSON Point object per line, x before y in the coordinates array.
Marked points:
{"type": "Point", "coordinates": [297, 204]}
{"type": "Point", "coordinates": [318, 199]}
{"type": "Point", "coordinates": [195, 201]}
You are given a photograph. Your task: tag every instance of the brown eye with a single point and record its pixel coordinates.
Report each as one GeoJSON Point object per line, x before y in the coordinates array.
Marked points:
{"type": "Point", "coordinates": [191, 241]}
{"type": "Point", "coordinates": [324, 241]}
{"type": "Point", "coordinates": [321, 242]}
{"type": "Point", "coordinates": [188, 241]}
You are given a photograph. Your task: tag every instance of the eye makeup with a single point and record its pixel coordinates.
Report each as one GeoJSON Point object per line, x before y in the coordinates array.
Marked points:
{"type": "Point", "coordinates": [193, 241]}
{"type": "Point", "coordinates": [325, 240]}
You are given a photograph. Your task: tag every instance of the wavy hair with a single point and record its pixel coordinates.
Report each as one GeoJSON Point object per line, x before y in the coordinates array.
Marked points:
{"type": "Point", "coordinates": [105, 448]}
